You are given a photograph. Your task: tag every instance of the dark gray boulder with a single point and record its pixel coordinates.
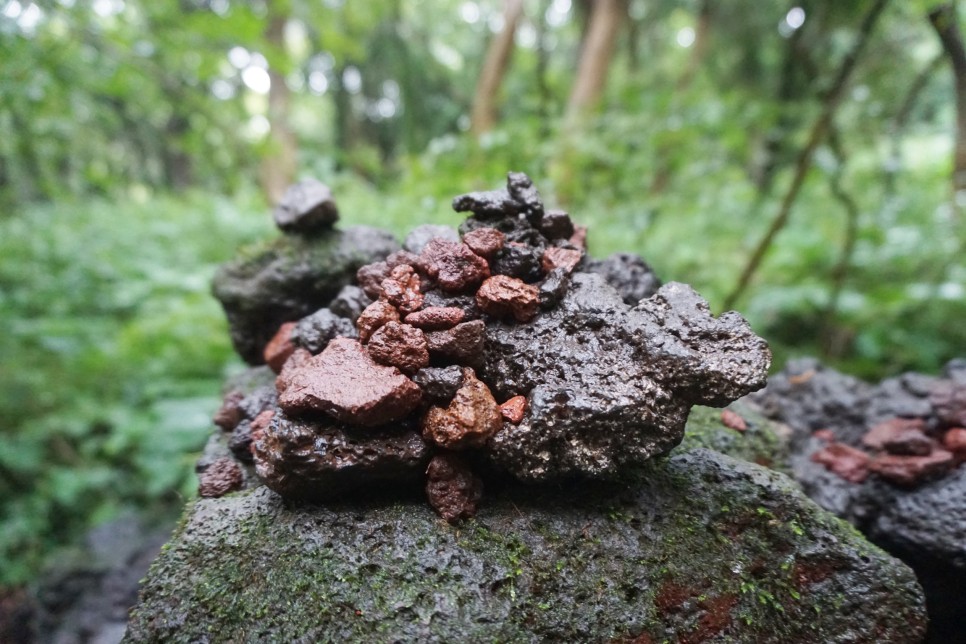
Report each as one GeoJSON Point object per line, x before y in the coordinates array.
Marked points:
{"type": "Point", "coordinates": [698, 547]}
{"type": "Point", "coordinates": [291, 278]}
{"type": "Point", "coordinates": [633, 278]}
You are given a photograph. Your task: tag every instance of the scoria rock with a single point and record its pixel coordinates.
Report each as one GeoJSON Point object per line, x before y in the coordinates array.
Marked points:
{"type": "Point", "coordinates": [346, 383]}
{"type": "Point", "coordinates": [462, 343]}
{"type": "Point", "coordinates": [350, 302]}
{"type": "Point", "coordinates": [452, 488]}
{"type": "Point", "coordinates": [399, 345]}
{"type": "Point", "coordinates": [376, 314]}
{"type": "Point", "coordinates": [402, 289]}
{"type": "Point", "coordinates": [436, 318]}
{"type": "Point", "coordinates": [220, 478]}
{"type": "Point", "coordinates": [565, 258]}
{"type": "Point", "coordinates": [848, 462]}
{"type": "Point", "coordinates": [485, 242]}
{"type": "Point", "coordinates": [316, 460]}
{"type": "Point", "coordinates": [306, 207]}
{"type": "Point", "coordinates": [912, 470]}
{"type": "Point", "coordinates": [609, 386]}
{"type": "Point", "coordinates": [469, 420]}
{"type": "Point", "coordinates": [514, 409]}
{"type": "Point", "coordinates": [230, 412]}
{"type": "Point", "coordinates": [439, 384]}
{"type": "Point", "coordinates": [453, 265]}
{"type": "Point", "coordinates": [280, 347]}
{"type": "Point", "coordinates": [556, 224]}
{"type": "Point", "coordinates": [629, 274]}
{"type": "Point", "coordinates": [417, 239]}
{"type": "Point", "coordinates": [520, 261]}
{"type": "Point", "coordinates": [948, 400]}
{"type": "Point", "coordinates": [314, 332]}
{"type": "Point", "coordinates": [508, 297]}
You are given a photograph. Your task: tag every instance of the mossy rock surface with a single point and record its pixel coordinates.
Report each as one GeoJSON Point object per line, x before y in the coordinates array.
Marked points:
{"type": "Point", "coordinates": [697, 547]}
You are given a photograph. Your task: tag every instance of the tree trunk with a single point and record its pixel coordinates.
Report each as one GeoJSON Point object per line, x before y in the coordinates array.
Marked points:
{"type": "Point", "coordinates": [495, 64]}
{"type": "Point", "coordinates": [699, 49]}
{"type": "Point", "coordinates": [943, 19]}
{"type": "Point", "coordinates": [279, 164]}
{"type": "Point", "coordinates": [598, 50]}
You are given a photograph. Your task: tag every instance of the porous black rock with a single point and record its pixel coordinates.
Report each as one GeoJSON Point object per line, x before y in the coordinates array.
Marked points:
{"type": "Point", "coordinates": [633, 278]}
{"type": "Point", "coordinates": [289, 279]}
{"type": "Point", "coordinates": [609, 386]}
{"type": "Point", "coordinates": [350, 302]}
{"type": "Point", "coordinates": [313, 460]}
{"type": "Point", "coordinates": [306, 207]}
{"type": "Point", "coordinates": [439, 384]}
{"type": "Point", "coordinates": [314, 332]}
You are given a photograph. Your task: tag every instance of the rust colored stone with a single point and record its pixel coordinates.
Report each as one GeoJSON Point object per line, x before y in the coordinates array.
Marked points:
{"type": "Point", "coordinates": [400, 345]}
{"type": "Point", "coordinates": [955, 440]}
{"type": "Point", "coordinates": [485, 242]}
{"type": "Point", "coordinates": [260, 424]}
{"type": "Point", "coordinates": [514, 409]}
{"type": "Point", "coordinates": [402, 289]}
{"type": "Point", "coordinates": [370, 277]}
{"type": "Point", "coordinates": [230, 412]}
{"type": "Point", "coordinates": [732, 420]}
{"type": "Point", "coordinates": [848, 462]}
{"type": "Point", "coordinates": [346, 383]}
{"type": "Point", "coordinates": [502, 297]}
{"type": "Point", "coordinates": [469, 419]}
{"type": "Point", "coordinates": [565, 258]}
{"type": "Point", "coordinates": [374, 316]}
{"type": "Point", "coordinates": [400, 258]}
{"type": "Point", "coordinates": [220, 478]}
{"type": "Point", "coordinates": [579, 238]}
{"type": "Point", "coordinates": [824, 435]}
{"type": "Point", "coordinates": [436, 318]}
{"type": "Point", "coordinates": [453, 265]}
{"type": "Point", "coordinates": [908, 471]}
{"type": "Point", "coordinates": [880, 434]}
{"type": "Point", "coordinates": [462, 343]}
{"type": "Point", "coordinates": [280, 347]}
{"type": "Point", "coordinates": [452, 488]}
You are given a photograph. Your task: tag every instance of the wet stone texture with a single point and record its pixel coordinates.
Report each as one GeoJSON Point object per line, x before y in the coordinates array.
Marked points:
{"type": "Point", "coordinates": [400, 345]}
{"type": "Point", "coordinates": [306, 207]}
{"type": "Point", "coordinates": [453, 490]}
{"type": "Point", "coordinates": [881, 457]}
{"type": "Point", "coordinates": [471, 417]}
{"type": "Point", "coordinates": [220, 478]}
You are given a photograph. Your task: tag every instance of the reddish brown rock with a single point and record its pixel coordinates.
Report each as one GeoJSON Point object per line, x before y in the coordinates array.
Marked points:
{"type": "Point", "coordinates": [579, 238]}
{"type": "Point", "coordinates": [893, 431]}
{"type": "Point", "coordinates": [955, 440]}
{"type": "Point", "coordinates": [280, 347]}
{"type": "Point", "coordinates": [948, 401]}
{"type": "Point", "coordinates": [485, 242]}
{"type": "Point", "coordinates": [462, 343]}
{"type": "Point", "coordinates": [401, 257]}
{"type": "Point", "coordinates": [848, 462]}
{"type": "Point", "coordinates": [469, 419]}
{"type": "Point", "coordinates": [436, 318]}
{"type": "Point", "coordinates": [452, 488]}
{"type": "Point", "coordinates": [260, 424]}
{"type": "Point", "coordinates": [230, 413]}
{"type": "Point", "coordinates": [733, 421]}
{"type": "Point", "coordinates": [514, 409]}
{"type": "Point", "coordinates": [565, 258]}
{"type": "Point", "coordinates": [370, 277]}
{"type": "Point", "coordinates": [346, 383]}
{"type": "Point", "coordinates": [220, 478]}
{"type": "Point", "coordinates": [908, 471]}
{"type": "Point", "coordinates": [374, 316]}
{"type": "Point", "coordinates": [453, 265]}
{"type": "Point", "coordinates": [400, 345]}
{"type": "Point", "coordinates": [402, 289]}
{"type": "Point", "coordinates": [824, 435]}
{"type": "Point", "coordinates": [502, 297]}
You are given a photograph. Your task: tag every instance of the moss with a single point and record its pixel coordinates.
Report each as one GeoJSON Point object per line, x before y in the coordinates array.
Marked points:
{"type": "Point", "coordinates": [762, 443]}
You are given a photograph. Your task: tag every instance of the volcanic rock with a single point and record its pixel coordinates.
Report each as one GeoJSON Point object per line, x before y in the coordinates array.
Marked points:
{"type": "Point", "coordinates": [462, 343]}
{"type": "Point", "coordinates": [350, 302]}
{"type": "Point", "coordinates": [439, 384]}
{"type": "Point", "coordinates": [376, 314]}
{"type": "Point", "coordinates": [240, 441]}
{"type": "Point", "coordinates": [402, 289]}
{"type": "Point", "coordinates": [322, 460]}
{"type": "Point", "coordinates": [948, 400]}
{"type": "Point", "coordinates": [520, 261]}
{"type": "Point", "coordinates": [733, 420]}
{"type": "Point", "coordinates": [230, 412]}
{"type": "Point", "coordinates": [565, 258]}
{"type": "Point", "coordinates": [370, 278]}
{"type": "Point", "coordinates": [436, 318]}
{"type": "Point", "coordinates": [260, 424]}
{"type": "Point", "coordinates": [399, 345]}
{"type": "Point", "coordinates": [346, 383]}
{"type": "Point", "coordinates": [306, 207]}
{"type": "Point", "coordinates": [556, 224]}
{"type": "Point", "coordinates": [514, 409]}
{"type": "Point", "coordinates": [553, 288]}
{"type": "Point", "coordinates": [912, 470]}
{"type": "Point", "coordinates": [848, 462]}
{"type": "Point", "coordinates": [290, 279]}
{"type": "Point", "coordinates": [955, 441]}
{"type": "Point", "coordinates": [452, 488]}
{"type": "Point", "coordinates": [485, 242]}
{"type": "Point", "coordinates": [454, 266]}
{"type": "Point", "coordinates": [417, 239]}
{"type": "Point", "coordinates": [893, 431]}
{"type": "Point", "coordinates": [505, 297]}
{"type": "Point", "coordinates": [220, 478]}
{"type": "Point", "coordinates": [468, 421]}
{"type": "Point", "coordinates": [314, 332]}
{"type": "Point", "coordinates": [629, 274]}
{"type": "Point", "coordinates": [280, 347]}
{"type": "Point", "coordinates": [520, 197]}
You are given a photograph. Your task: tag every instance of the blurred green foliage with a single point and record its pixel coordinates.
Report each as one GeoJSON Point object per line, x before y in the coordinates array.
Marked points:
{"type": "Point", "coordinates": [134, 132]}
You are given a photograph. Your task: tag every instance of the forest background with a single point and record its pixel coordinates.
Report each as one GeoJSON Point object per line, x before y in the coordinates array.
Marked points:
{"type": "Point", "coordinates": [803, 161]}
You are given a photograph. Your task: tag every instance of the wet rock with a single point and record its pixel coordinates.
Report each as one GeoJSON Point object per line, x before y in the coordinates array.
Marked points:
{"type": "Point", "coordinates": [454, 266]}
{"type": "Point", "coordinates": [402, 258]}
{"type": "Point", "coordinates": [322, 461]}
{"type": "Point", "coordinates": [879, 435]}
{"type": "Point", "coordinates": [350, 302]}
{"type": "Point", "coordinates": [402, 289]}
{"type": "Point", "coordinates": [370, 278]}
{"type": "Point", "coordinates": [376, 314]}
{"type": "Point", "coordinates": [485, 242]}
{"type": "Point", "coordinates": [912, 470]}
{"type": "Point", "coordinates": [733, 420]}
{"type": "Point", "coordinates": [439, 384]}
{"type": "Point", "coordinates": [565, 258]}
{"type": "Point", "coordinates": [507, 297]}
{"type": "Point", "coordinates": [955, 441]}
{"type": "Point", "coordinates": [280, 347]}
{"type": "Point", "coordinates": [290, 279]}
{"type": "Point", "coordinates": [556, 224]}
{"type": "Point", "coordinates": [948, 400]}
{"type": "Point", "coordinates": [230, 412]}
{"type": "Point", "coordinates": [553, 288]}
{"type": "Point", "coordinates": [463, 343]}
{"type": "Point", "coordinates": [629, 274]}
{"type": "Point", "coordinates": [346, 383]}
{"type": "Point", "coordinates": [469, 420]}
{"type": "Point", "coordinates": [306, 207]}
{"type": "Point", "coordinates": [260, 398]}
{"type": "Point", "coordinates": [220, 478]}
{"type": "Point", "coordinates": [609, 386]}
{"type": "Point", "coordinates": [436, 318]}
{"type": "Point", "coordinates": [452, 488]}
{"type": "Point", "coordinates": [905, 396]}
{"type": "Point", "coordinates": [514, 409]}
{"type": "Point", "coordinates": [519, 198]}
{"type": "Point", "coordinates": [315, 331]}
{"type": "Point", "coordinates": [400, 345]}
{"type": "Point", "coordinates": [259, 425]}
{"type": "Point", "coordinates": [420, 236]}
{"type": "Point", "coordinates": [519, 261]}
{"type": "Point", "coordinates": [240, 442]}
{"type": "Point", "coordinates": [570, 563]}
{"type": "Point", "coordinates": [579, 238]}
{"type": "Point", "coordinates": [848, 462]}
{"type": "Point", "coordinates": [523, 192]}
